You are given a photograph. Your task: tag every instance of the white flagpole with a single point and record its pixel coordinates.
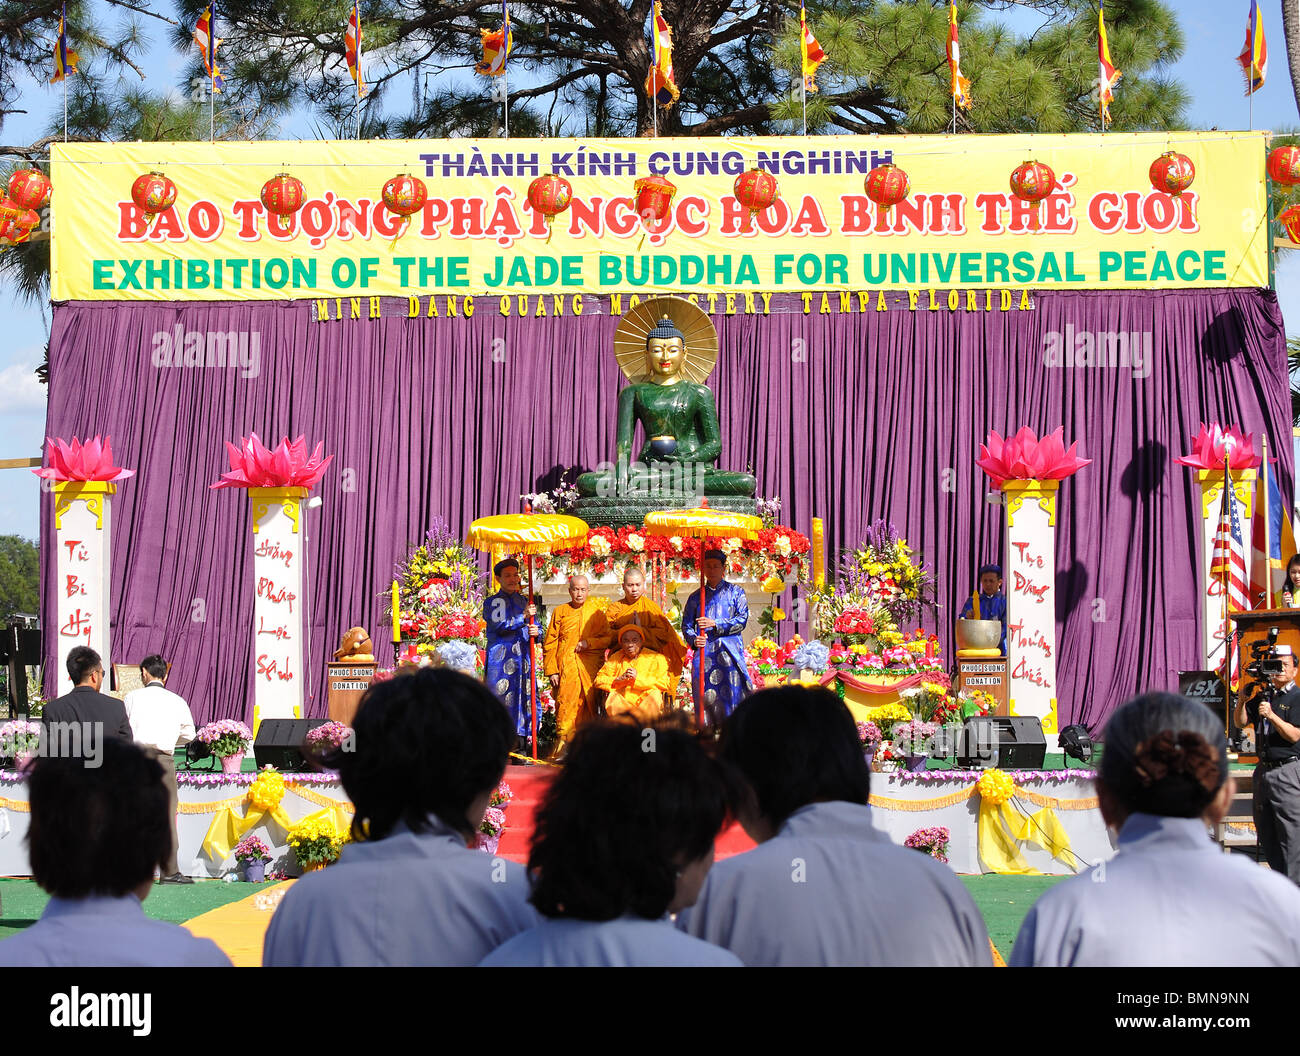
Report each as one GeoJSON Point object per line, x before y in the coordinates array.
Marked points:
{"type": "Point", "coordinates": [505, 91]}
{"type": "Point", "coordinates": [65, 105]}
{"type": "Point", "coordinates": [803, 91]}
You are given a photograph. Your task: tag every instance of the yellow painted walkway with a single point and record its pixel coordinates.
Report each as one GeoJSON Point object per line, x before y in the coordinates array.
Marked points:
{"type": "Point", "coordinates": [239, 927]}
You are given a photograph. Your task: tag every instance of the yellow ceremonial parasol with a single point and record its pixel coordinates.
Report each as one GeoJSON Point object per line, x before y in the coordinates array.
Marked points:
{"type": "Point", "coordinates": [702, 523]}
{"type": "Point", "coordinates": [528, 534]}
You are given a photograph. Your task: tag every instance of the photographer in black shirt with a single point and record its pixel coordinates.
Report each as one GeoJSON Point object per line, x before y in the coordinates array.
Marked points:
{"type": "Point", "coordinates": [1274, 709]}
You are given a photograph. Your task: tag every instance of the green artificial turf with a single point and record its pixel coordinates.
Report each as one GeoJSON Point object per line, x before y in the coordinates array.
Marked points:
{"type": "Point", "coordinates": [1004, 901]}
{"type": "Point", "coordinates": [22, 902]}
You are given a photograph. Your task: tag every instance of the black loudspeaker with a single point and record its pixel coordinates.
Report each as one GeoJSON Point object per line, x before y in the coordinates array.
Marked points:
{"type": "Point", "coordinates": [279, 742]}
{"type": "Point", "coordinates": [1010, 742]}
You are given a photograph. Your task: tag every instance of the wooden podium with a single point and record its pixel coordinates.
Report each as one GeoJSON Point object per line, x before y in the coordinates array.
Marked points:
{"type": "Point", "coordinates": [1255, 626]}
{"type": "Point", "coordinates": [985, 673]}
{"type": "Point", "coordinates": [347, 685]}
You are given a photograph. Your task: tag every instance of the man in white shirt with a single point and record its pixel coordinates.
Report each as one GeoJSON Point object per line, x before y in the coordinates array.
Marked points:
{"type": "Point", "coordinates": [162, 722]}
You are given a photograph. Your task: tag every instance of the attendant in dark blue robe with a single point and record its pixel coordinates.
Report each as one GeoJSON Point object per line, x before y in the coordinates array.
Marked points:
{"type": "Point", "coordinates": [993, 603]}
{"type": "Point", "coordinates": [507, 672]}
{"type": "Point", "coordinates": [718, 633]}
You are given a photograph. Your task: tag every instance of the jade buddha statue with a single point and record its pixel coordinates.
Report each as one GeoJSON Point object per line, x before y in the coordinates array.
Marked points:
{"type": "Point", "coordinates": [679, 418]}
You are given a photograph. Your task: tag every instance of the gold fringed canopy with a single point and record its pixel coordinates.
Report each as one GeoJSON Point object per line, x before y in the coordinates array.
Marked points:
{"type": "Point", "coordinates": [692, 321]}
{"type": "Point", "coordinates": [527, 533]}
{"type": "Point", "coordinates": [702, 522]}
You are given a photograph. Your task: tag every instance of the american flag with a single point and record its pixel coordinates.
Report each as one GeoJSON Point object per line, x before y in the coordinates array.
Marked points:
{"type": "Point", "coordinates": [1228, 560]}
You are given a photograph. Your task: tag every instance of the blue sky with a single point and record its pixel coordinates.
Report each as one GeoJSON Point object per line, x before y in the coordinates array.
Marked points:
{"type": "Point", "coordinates": [1213, 31]}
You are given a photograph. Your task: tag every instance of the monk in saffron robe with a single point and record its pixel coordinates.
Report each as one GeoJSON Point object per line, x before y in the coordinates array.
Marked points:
{"type": "Point", "coordinates": [574, 650]}
{"type": "Point", "coordinates": [636, 679]}
{"type": "Point", "coordinates": [637, 610]}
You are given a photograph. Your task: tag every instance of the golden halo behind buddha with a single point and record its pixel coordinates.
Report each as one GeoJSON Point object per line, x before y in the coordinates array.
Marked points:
{"type": "Point", "coordinates": [692, 321]}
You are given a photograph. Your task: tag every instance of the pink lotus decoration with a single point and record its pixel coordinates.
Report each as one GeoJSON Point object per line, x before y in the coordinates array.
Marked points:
{"type": "Point", "coordinates": [1213, 442]}
{"type": "Point", "coordinates": [1025, 457]}
{"type": "Point", "coordinates": [252, 465]}
{"type": "Point", "coordinates": [77, 461]}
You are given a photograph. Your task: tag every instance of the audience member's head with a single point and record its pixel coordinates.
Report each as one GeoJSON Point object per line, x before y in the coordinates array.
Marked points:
{"type": "Point", "coordinates": [628, 825]}
{"type": "Point", "coordinates": [1164, 755]}
{"type": "Point", "coordinates": [793, 746]}
{"type": "Point", "coordinates": [85, 667]}
{"type": "Point", "coordinates": [431, 742]}
{"type": "Point", "coordinates": [155, 667]}
{"type": "Point", "coordinates": [97, 830]}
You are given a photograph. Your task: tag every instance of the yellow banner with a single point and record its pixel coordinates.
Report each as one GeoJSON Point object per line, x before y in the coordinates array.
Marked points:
{"type": "Point", "coordinates": [1104, 227]}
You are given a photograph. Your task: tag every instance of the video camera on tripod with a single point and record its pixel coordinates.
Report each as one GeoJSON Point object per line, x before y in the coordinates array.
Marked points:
{"type": "Point", "coordinates": [1265, 664]}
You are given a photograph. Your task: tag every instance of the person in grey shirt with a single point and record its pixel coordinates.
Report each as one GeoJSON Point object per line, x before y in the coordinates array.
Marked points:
{"type": "Point", "coordinates": [1170, 897]}
{"type": "Point", "coordinates": [430, 749]}
{"type": "Point", "coordinates": [624, 837]}
{"type": "Point", "coordinates": [824, 887]}
{"type": "Point", "coordinates": [95, 836]}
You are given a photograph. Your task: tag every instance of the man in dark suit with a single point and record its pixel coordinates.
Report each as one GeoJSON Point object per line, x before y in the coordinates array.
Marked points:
{"type": "Point", "coordinates": [85, 716]}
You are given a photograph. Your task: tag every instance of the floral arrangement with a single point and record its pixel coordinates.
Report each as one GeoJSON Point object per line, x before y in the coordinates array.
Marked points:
{"type": "Point", "coordinates": [226, 737]}
{"type": "Point", "coordinates": [901, 657]}
{"type": "Point", "coordinates": [912, 737]}
{"type": "Point", "coordinates": [766, 657]}
{"type": "Point", "coordinates": [315, 841]}
{"type": "Point", "coordinates": [769, 511]}
{"type": "Point", "coordinates": [459, 656]}
{"type": "Point", "coordinates": [252, 849]}
{"type": "Point", "coordinates": [884, 715]}
{"type": "Point", "coordinates": [811, 656]}
{"type": "Point", "coordinates": [773, 614]}
{"type": "Point", "coordinates": [20, 737]}
{"type": "Point", "coordinates": [933, 841]}
{"type": "Point", "coordinates": [878, 587]}
{"type": "Point", "coordinates": [975, 702]}
{"type": "Point", "coordinates": [328, 737]}
{"type": "Point", "coordinates": [869, 736]}
{"type": "Point", "coordinates": [776, 551]}
{"type": "Point", "coordinates": [560, 499]}
{"type": "Point", "coordinates": [934, 702]}
{"type": "Point", "coordinates": [267, 789]}
{"type": "Point", "coordinates": [494, 819]}
{"type": "Point", "coordinates": [440, 591]}
{"type": "Point", "coordinates": [995, 787]}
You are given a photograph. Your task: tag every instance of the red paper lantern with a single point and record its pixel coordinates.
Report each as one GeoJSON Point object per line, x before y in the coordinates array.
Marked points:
{"type": "Point", "coordinates": [756, 190]}
{"type": "Point", "coordinates": [282, 194]}
{"type": "Point", "coordinates": [1172, 173]}
{"type": "Point", "coordinates": [550, 195]}
{"type": "Point", "coordinates": [8, 233]}
{"type": "Point", "coordinates": [26, 224]}
{"type": "Point", "coordinates": [1284, 165]}
{"type": "Point", "coordinates": [1289, 218]}
{"type": "Point", "coordinates": [405, 194]}
{"type": "Point", "coordinates": [654, 198]}
{"type": "Point", "coordinates": [29, 188]}
{"type": "Point", "coordinates": [1032, 182]}
{"type": "Point", "coordinates": [153, 193]}
{"type": "Point", "coordinates": [887, 185]}
{"type": "Point", "coordinates": [9, 211]}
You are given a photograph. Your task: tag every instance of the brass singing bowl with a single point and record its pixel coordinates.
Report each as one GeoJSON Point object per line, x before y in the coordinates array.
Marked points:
{"type": "Point", "coordinates": [979, 634]}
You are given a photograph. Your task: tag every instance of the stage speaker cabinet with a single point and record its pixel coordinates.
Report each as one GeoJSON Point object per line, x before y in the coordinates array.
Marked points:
{"type": "Point", "coordinates": [279, 742]}
{"type": "Point", "coordinates": [1010, 742]}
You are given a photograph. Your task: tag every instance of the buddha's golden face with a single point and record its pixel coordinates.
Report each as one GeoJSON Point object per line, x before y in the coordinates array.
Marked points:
{"type": "Point", "coordinates": [665, 356]}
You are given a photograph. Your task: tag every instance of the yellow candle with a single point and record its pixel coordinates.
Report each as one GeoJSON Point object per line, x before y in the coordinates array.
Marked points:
{"type": "Point", "coordinates": [818, 553]}
{"type": "Point", "coordinates": [397, 614]}
{"type": "Point", "coordinates": [976, 607]}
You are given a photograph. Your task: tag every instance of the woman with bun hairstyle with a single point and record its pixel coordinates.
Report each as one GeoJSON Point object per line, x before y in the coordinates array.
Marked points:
{"type": "Point", "coordinates": [1169, 896]}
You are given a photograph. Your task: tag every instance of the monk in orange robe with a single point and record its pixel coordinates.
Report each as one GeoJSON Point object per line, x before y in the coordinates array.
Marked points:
{"type": "Point", "coordinates": [573, 652]}
{"type": "Point", "coordinates": [637, 679]}
{"type": "Point", "coordinates": [638, 610]}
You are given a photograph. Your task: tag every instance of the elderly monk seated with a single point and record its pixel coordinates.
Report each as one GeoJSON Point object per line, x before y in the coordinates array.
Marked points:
{"type": "Point", "coordinates": [635, 678]}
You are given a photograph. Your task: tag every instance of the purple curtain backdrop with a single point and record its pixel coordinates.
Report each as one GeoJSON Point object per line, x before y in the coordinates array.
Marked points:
{"type": "Point", "coordinates": [849, 417]}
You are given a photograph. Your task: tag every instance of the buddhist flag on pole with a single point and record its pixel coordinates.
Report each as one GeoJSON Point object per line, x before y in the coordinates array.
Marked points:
{"type": "Point", "coordinates": [352, 48]}
{"type": "Point", "coordinates": [810, 51]}
{"type": "Point", "coordinates": [660, 84]}
{"type": "Point", "coordinates": [1272, 541]}
{"type": "Point", "coordinates": [65, 61]}
{"type": "Point", "coordinates": [1107, 75]}
{"type": "Point", "coordinates": [203, 37]}
{"type": "Point", "coordinates": [1254, 56]}
{"type": "Point", "coordinates": [497, 45]}
{"type": "Point", "coordinates": [960, 84]}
